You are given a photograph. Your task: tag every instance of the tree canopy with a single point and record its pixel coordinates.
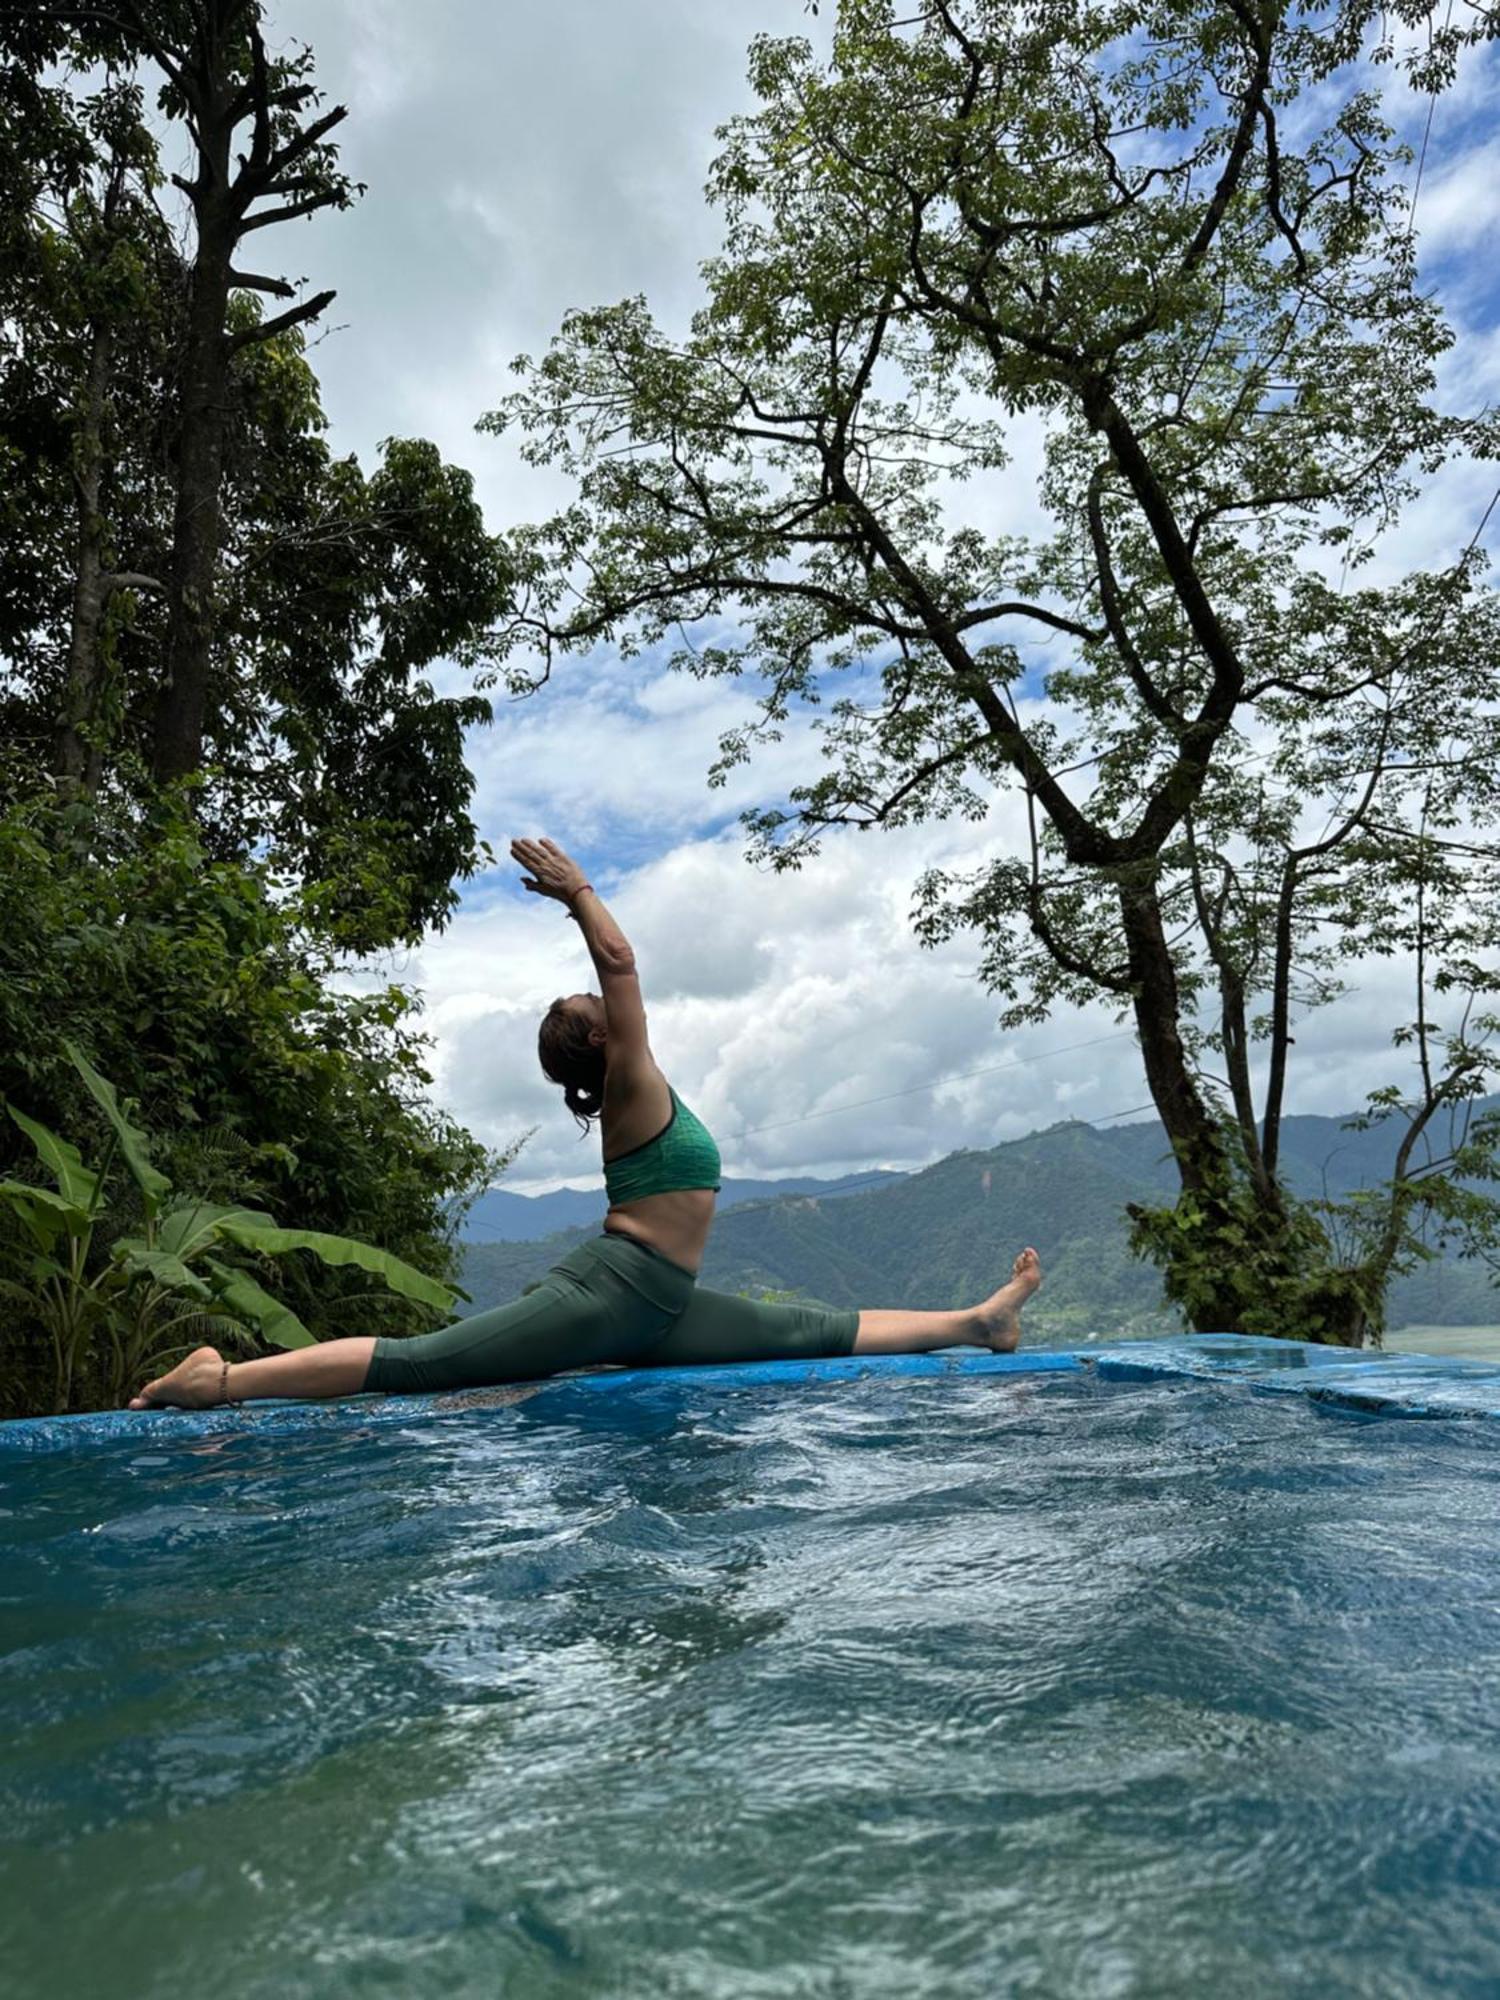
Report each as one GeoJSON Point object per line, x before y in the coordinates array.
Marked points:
{"type": "Point", "coordinates": [328, 593]}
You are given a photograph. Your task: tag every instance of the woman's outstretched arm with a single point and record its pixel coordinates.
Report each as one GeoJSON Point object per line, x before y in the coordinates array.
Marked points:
{"type": "Point", "coordinates": [550, 872]}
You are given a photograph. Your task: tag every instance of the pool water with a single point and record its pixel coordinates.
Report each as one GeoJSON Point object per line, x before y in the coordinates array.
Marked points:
{"type": "Point", "coordinates": [992, 1686]}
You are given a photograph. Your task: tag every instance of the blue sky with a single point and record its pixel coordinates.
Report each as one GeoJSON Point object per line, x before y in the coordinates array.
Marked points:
{"type": "Point", "coordinates": [521, 161]}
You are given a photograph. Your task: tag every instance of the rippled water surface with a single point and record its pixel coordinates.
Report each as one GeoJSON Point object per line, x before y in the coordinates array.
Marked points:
{"type": "Point", "coordinates": [991, 1687]}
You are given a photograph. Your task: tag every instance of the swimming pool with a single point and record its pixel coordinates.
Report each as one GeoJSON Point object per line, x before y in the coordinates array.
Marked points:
{"type": "Point", "coordinates": [1002, 1683]}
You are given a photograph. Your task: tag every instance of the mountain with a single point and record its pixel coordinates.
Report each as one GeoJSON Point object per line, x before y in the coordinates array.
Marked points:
{"type": "Point", "coordinates": [499, 1216]}
{"type": "Point", "coordinates": [943, 1236]}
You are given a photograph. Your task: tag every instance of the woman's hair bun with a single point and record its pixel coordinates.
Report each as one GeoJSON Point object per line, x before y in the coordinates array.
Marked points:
{"type": "Point", "coordinates": [568, 1057]}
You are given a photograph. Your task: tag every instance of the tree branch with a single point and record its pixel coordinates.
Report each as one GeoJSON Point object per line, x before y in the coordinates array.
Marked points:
{"type": "Point", "coordinates": [262, 179]}
{"type": "Point", "coordinates": [268, 329]}
{"type": "Point", "coordinates": [131, 22]}
{"type": "Point", "coordinates": [1273, 187]}
{"type": "Point", "coordinates": [1239, 150]}
{"type": "Point", "coordinates": [1085, 842]}
{"type": "Point", "coordinates": [877, 814]}
{"type": "Point", "coordinates": [249, 281]}
{"type": "Point", "coordinates": [1114, 617]}
{"type": "Point", "coordinates": [289, 213]}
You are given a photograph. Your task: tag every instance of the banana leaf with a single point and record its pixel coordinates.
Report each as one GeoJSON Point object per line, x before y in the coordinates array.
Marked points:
{"type": "Point", "coordinates": [134, 1145]}
{"type": "Point", "coordinates": [132, 1254]}
{"type": "Point", "coordinates": [246, 1300]}
{"type": "Point", "coordinates": [44, 1215]}
{"type": "Point", "coordinates": [340, 1250]}
{"type": "Point", "coordinates": [187, 1229]}
{"type": "Point", "coordinates": [74, 1180]}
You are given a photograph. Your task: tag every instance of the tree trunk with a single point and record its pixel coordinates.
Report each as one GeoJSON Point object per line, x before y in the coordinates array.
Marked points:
{"type": "Point", "coordinates": [183, 706]}
{"type": "Point", "coordinates": [77, 768]}
{"type": "Point", "coordinates": [1237, 1065]}
{"type": "Point", "coordinates": [1189, 1123]}
{"type": "Point", "coordinates": [1202, 1165]}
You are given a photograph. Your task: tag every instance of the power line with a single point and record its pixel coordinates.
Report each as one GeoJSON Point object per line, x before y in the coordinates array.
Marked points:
{"type": "Point", "coordinates": [1426, 135]}
{"type": "Point", "coordinates": [1105, 1116]}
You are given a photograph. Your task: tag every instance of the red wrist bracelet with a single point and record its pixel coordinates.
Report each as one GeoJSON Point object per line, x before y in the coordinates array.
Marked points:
{"type": "Point", "coordinates": [577, 893]}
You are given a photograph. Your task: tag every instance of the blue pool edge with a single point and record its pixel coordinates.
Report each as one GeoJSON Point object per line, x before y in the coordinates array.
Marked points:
{"type": "Point", "coordinates": [1407, 1385]}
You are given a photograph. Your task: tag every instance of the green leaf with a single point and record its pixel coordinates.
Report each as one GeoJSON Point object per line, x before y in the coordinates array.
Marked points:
{"type": "Point", "coordinates": [134, 1145]}
{"type": "Point", "coordinates": [247, 1300]}
{"type": "Point", "coordinates": [131, 1254]}
{"type": "Point", "coordinates": [342, 1250]}
{"type": "Point", "coordinates": [43, 1214]}
{"type": "Point", "coordinates": [62, 1158]}
{"type": "Point", "coordinates": [186, 1230]}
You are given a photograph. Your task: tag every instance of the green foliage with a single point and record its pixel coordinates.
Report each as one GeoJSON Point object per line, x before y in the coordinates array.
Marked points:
{"type": "Point", "coordinates": [127, 1305]}
{"type": "Point", "coordinates": [356, 586]}
{"type": "Point", "coordinates": [1265, 1274]}
{"type": "Point", "coordinates": [337, 589]}
{"type": "Point", "coordinates": [201, 992]}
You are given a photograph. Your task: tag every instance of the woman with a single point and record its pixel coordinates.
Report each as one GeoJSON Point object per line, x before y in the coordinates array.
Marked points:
{"type": "Point", "coordinates": [631, 1295]}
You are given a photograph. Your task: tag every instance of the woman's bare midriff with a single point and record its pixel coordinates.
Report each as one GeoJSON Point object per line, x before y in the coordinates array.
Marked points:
{"type": "Point", "coordinates": [675, 1224]}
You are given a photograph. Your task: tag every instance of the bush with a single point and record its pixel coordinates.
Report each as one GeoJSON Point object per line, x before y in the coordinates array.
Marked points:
{"type": "Point", "coordinates": [204, 990]}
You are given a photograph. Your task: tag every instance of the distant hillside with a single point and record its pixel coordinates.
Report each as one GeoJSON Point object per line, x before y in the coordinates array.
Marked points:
{"type": "Point", "coordinates": [500, 1216]}
{"type": "Point", "coordinates": [939, 1237]}
{"type": "Point", "coordinates": [1318, 1155]}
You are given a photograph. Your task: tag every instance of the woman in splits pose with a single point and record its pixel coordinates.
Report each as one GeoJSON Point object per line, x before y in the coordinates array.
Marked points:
{"type": "Point", "coordinates": [631, 1295]}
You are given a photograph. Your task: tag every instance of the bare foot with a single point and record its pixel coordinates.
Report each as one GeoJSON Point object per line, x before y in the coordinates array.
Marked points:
{"type": "Point", "coordinates": [1000, 1315]}
{"type": "Point", "coordinates": [194, 1384]}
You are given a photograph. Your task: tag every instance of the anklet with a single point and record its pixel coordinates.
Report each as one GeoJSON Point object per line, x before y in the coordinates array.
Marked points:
{"type": "Point", "coordinates": [224, 1396]}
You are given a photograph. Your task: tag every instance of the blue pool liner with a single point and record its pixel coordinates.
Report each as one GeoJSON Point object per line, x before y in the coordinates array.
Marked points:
{"type": "Point", "coordinates": [1406, 1385]}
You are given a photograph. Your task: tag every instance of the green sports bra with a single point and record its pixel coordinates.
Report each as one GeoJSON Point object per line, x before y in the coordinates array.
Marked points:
{"type": "Point", "coordinates": [681, 1156]}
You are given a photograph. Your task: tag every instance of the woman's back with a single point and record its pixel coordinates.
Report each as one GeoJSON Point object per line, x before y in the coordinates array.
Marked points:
{"type": "Point", "coordinates": [661, 1166]}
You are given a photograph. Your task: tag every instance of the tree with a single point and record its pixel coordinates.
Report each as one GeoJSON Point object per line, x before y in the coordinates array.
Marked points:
{"type": "Point", "coordinates": [221, 84]}
{"type": "Point", "coordinates": [110, 269]}
{"type": "Point", "coordinates": [333, 590]}
{"type": "Point", "coordinates": [344, 590]}
{"type": "Point", "coordinates": [1091, 215]}
{"type": "Point", "coordinates": [88, 277]}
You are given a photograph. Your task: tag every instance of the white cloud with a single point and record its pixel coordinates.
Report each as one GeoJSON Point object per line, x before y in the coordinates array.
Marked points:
{"type": "Point", "coordinates": [520, 161]}
{"type": "Point", "coordinates": [1456, 203]}
{"type": "Point", "coordinates": [622, 751]}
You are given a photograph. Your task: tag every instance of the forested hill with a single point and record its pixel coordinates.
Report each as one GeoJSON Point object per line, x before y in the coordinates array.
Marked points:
{"type": "Point", "coordinates": [939, 1237]}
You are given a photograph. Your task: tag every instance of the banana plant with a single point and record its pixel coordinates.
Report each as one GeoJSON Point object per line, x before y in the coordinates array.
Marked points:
{"type": "Point", "coordinates": [176, 1273]}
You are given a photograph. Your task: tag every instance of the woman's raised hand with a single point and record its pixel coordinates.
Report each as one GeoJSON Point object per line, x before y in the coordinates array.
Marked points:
{"type": "Point", "coordinates": [549, 872]}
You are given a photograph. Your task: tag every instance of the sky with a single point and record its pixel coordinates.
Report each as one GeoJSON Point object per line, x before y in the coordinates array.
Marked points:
{"type": "Point", "coordinates": [521, 161]}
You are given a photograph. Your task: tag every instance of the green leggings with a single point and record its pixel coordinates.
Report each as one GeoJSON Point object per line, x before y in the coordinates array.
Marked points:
{"type": "Point", "coordinates": [611, 1299]}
